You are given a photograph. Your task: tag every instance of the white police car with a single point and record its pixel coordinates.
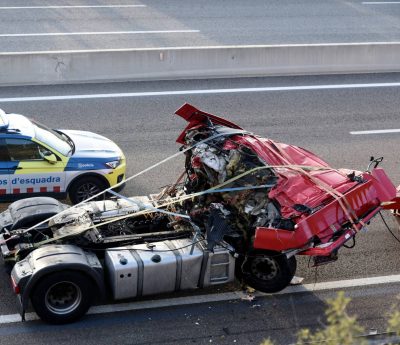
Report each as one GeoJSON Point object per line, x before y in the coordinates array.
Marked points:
{"type": "Point", "coordinates": [36, 160]}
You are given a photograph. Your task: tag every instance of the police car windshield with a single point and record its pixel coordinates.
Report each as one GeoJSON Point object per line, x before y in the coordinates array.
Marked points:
{"type": "Point", "coordinates": [52, 138]}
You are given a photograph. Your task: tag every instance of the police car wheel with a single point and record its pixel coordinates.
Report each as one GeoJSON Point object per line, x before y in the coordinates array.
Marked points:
{"type": "Point", "coordinates": [85, 188]}
{"type": "Point", "coordinates": [62, 297]}
{"type": "Point", "coordinates": [268, 271]}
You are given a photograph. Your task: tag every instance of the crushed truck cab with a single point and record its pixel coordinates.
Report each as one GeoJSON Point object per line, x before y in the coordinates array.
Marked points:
{"type": "Point", "coordinates": [244, 207]}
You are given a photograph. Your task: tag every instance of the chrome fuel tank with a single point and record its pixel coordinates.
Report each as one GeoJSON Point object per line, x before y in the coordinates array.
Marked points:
{"type": "Point", "coordinates": [165, 266]}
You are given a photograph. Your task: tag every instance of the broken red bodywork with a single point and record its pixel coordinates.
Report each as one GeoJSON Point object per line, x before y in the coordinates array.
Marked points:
{"type": "Point", "coordinates": [339, 203]}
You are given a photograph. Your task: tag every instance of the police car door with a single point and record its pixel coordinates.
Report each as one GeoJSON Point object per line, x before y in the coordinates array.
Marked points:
{"type": "Point", "coordinates": [33, 173]}
{"type": "Point", "coordinates": [6, 167]}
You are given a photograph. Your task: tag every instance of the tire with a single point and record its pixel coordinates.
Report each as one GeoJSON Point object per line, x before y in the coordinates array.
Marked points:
{"type": "Point", "coordinates": [62, 297]}
{"type": "Point", "coordinates": [268, 271]}
{"type": "Point", "coordinates": [84, 188]}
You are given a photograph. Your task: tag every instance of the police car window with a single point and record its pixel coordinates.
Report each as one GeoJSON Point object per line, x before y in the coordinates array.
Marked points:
{"type": "Point", "coordinates": [21, 149]}
{"type": "Point", "coordinates": [4, 156]}
{"type": "Point", "coordinates": [51, 138]}
{"type": "Point", "coordinates": [3, 152]}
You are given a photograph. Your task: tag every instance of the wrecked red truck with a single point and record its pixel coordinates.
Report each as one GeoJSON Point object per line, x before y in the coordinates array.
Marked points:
{"type": "Point", "coordinates": [243, 208]}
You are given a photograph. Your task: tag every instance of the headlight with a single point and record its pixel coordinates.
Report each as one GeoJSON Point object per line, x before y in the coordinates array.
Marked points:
{"type": "Point", "coordinates": [113, 164]}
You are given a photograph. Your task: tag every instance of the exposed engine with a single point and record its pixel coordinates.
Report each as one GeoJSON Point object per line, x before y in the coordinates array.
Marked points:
{"type": "Point", "coordinates": [240, 181]}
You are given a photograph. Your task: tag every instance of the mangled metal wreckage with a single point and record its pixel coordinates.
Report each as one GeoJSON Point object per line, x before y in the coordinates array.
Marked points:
{"type": "Point", "coordinates": [245, 206]}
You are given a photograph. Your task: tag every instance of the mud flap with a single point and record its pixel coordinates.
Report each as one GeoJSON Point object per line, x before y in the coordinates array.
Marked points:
{"type": "Point", "coordinates": [21, 308]}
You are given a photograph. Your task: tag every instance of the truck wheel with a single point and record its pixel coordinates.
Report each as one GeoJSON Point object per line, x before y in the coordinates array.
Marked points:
{"type": "Point", "coordinates": [62, 297]}
{"type": "Point", "coordinates": [268, 271]}
{"type": "Point", "coordinates": [85, 188]}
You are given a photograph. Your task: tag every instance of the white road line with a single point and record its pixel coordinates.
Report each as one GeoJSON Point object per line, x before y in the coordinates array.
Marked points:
{"type": "Point", "coordinates": [55, 7]}
{"type": "Point", "coordinates": [10, 318]}
{"type": "Point", "coordinates": [377, 131]}
{"type": "Point", "coordinates": [381, 2]}
{"type": "Point", "coordinates": [220, 297]}
{"type": "Point", "coordinates": [100, 33]}
{"type": "Point", "coordinates": [196, 92]}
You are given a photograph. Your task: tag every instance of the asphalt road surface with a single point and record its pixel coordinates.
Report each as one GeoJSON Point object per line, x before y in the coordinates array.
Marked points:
{"type": "Point", "coordinates": [235, 322]}
{"type": "Point", "coordinates": [317, 113]}
{"type": "Point", "coordinates": [71, 25]}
